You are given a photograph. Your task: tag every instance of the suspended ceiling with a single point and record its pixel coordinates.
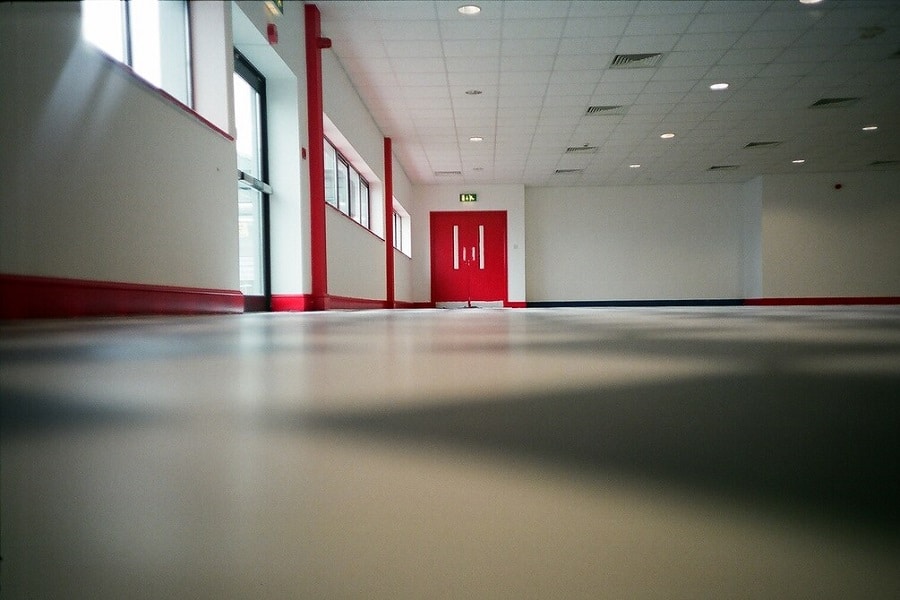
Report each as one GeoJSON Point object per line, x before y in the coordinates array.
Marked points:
{"type": "Point", "coordinates": [540, 66]}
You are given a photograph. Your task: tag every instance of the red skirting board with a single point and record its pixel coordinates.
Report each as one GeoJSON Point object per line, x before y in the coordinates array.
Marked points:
{"type": "Point", "coordinates": [26, 296]}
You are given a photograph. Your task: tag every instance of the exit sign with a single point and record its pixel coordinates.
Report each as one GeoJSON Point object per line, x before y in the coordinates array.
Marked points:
{"type": "Point", "coordinates": [468, 198]}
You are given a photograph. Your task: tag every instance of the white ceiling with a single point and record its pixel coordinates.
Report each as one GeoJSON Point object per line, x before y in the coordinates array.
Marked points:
{"type": "Point", "coordinates": [540, 65]}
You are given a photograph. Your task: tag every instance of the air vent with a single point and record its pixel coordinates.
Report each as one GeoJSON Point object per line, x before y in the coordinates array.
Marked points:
{"type": "Point", "coordinates": [446, 173]}
{"type": "Point", "coordinates": [884, 163]}
{"type": "Point", "coordinates": [833, 102]}
{"type": "Point", "coordinates": [567, 171]}
{"type": "Point", "coordinates": [723, 168]}
{"type": "Point", "coordinates": [635, 61]}
{"type": "Point", "coordinates": [762, 144]}
{"type": "Point", "coordinates": [605, 110]}
{"type": "Point", "coordinates": [581, 150]}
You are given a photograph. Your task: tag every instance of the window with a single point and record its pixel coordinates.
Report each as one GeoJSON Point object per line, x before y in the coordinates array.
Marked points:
{"type": "Point", "coordinates": [150, 36]}
{"type": "Point", "coordinates": [253, 190]}
{"type": "Point", "coordinates": [345, 188]}
{"type": "Point", "coordinates": [330, 175]}
{"type": "Point", "coordinates": [398, 231]}
{"type": "Point", "coordinates": [402, 234]}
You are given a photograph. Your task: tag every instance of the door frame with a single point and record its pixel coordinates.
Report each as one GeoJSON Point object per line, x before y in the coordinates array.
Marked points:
{"type": "Point", "coordinates": [432, 258]}
{"type": "Point", "coordinates": [245, 69]}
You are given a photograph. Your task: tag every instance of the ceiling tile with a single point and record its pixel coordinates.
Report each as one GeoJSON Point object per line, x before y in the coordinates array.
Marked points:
{"type": "Point", "coordinates": [722, 22]}
{"type": "Point", "coordinates": [470, 30]}
{"type": "Point", "coordinates": [645, 44]}
{"type": "Point", "coordinates": [657, 25]}
{"type": "Point", "coordinates": [532, 28]}
{"type": "Point", "coordinates": [412, 63]}
{"type": "Point", "coordinates": [589, 27]}
{"type": "Point", "coordinates": [471, 48]}
{"type": "Point", "coordinates": [706, 41]}
{"type": "Point", "coordinates": [536, 47]}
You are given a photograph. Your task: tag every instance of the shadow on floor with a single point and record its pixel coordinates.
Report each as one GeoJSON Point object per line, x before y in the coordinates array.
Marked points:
{"type": "Point", "coordinates": [819, 446]}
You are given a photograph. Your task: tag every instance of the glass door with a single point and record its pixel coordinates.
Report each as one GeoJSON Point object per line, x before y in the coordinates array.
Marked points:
{"type": "Point", "coordinates": [253, 189]}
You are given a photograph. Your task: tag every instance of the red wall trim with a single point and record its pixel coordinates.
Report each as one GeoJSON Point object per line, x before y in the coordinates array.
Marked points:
{"type": "Point", "coordinates": [404, 304]}
{"type": "Point", "coordinates": [823, 301]}
{"type": "Point", "coordinates": [305, 302]}
{"type": "Point", "coordinates": [389, 221]}
{"type": "Point", "coordinates": [344, 302]}
{"type": "Point", "coordinates": [316, 126]}
{"type": "Point", "coordinates": [291, 303]}
{"type": "Point", "coordinates": [26, 296]}
{"type": "Point", "coordinates": [510, 304]}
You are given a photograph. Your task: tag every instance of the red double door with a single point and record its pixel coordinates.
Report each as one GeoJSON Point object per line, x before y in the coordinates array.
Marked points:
{"type": "Point", "coordinates": [468, 257]}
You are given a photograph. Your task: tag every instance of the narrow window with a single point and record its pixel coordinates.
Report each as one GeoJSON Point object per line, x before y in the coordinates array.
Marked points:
{"type": "Point", "coordinates": [354, 195]}
{"type": "Point", "coordinates": [150, 36]}
{"type": "Point", "coordinates": [364, 203]}
{"type": "Point", "coordinates": [343, 187]}
{"type": "Point", "coordinates": [330, 175]}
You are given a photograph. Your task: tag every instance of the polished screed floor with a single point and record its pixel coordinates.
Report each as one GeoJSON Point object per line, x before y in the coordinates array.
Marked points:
{"type": "Point", "coordinates": [481, 453]}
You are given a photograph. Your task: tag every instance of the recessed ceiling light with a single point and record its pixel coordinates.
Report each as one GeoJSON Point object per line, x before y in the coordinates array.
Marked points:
{"type": "Point", "coordinates": [634, 166]}
{"type": "Point", "coordinates": [476, 138]}
{"type": "Point", "coordinates": [473, 92]}
{"type": "Point", "coordinates": [799, 161]}
{"type": "Point", "coordinates": [810, 1]}
{"type": "Point", "coordinates": [667, 136]}
{"type": "Point", "coordinates": [870, 128]}
{"type": "Point", "coordinates": [719, 86]}
{"type": "Point", "coordinates": [469, 9]}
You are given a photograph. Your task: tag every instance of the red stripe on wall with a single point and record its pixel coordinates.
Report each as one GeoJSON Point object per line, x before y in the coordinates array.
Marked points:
{"type": "Point", "coordinates": [823, 301]}
{"type": "Point", "coordinates": [347, 303]}
{"type": "Point", "coordinates": [291, 303]}
{"type": "Point", "coordinates": [389, 220]}
{"type": "Point", "coordinates": [314, 103]}
{"type": "Point", "coordinates": [28, 297]}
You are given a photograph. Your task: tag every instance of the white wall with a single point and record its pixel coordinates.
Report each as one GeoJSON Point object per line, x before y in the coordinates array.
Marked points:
{"type": "Point", "coordinates": [819, 241]}
{"type": "Point", "coordinates": [403, 264]}
{"type": "Point", "coordinates": [429, 198]}
{"type": "Point", "coordinates": [355, 259]}
{"type": "Point", "coordinates": [284, 67]}
{"type": "Point", "coordinates": [403, 277]}
{"type": "Point", "coordinates": [751, 238]}
{"type": "Point", "coordinates": [105, 178]}
{"type": "Point", "coordinates": [634, 243]}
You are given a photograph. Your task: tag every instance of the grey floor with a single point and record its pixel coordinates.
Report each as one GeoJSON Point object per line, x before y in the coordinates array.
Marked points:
{"type": "Point", "coordinates": [482, 453]}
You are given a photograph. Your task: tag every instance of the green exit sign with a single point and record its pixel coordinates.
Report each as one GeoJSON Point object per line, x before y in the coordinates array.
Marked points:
{"type": "Point", "coordinates": [468, 198]}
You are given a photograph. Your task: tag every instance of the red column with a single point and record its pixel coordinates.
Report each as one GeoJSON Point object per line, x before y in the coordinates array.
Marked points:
{"type": "Point", "coordinates": [319, 258]}
{"type": "Point", "coordinates": [389, 221]}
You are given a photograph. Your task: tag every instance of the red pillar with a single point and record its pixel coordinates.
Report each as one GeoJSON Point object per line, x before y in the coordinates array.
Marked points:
{"type": "Point", "coordinates": [389, 221]}
{"type": "Point", "coordinates": [319, 258]}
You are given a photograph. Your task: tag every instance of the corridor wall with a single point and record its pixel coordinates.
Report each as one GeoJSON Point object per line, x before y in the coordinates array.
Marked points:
{"type": "Point", "coordinates": [831, 235]}
{"type": "Point", "coordinates": [653, 242]}
{"type": "Point", "coordinates": [106, 179]}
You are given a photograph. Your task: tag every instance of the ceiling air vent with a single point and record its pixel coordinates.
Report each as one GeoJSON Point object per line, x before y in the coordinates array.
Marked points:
{"type": "Point", "coordinates": [567, 171]}
{"type": "Point", "coordinates": [723, 168]}
{"type": "Point", "coordinates": [446, 173]}
{"type": "Point", "coordinates": [884, 163]}
{"type": "Point", "coordinates": [581, 150]}
{"type": "Point", "coordinates": [605, 110]}
{"type": "Point", "coordinates": [833, 102]}
{"type": "Point", "coordinates": [635, 61]}
{"type": "Point", "coordinates": [762, 144]}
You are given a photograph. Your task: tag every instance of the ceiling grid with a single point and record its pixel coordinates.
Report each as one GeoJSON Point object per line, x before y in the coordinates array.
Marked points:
{"type": "Point", "coordinates": [540, 65]}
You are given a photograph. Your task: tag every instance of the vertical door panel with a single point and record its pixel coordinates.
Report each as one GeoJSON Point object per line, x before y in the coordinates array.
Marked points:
{"type": "Point", "coordinates": [468, 256]}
